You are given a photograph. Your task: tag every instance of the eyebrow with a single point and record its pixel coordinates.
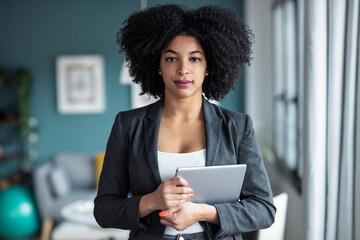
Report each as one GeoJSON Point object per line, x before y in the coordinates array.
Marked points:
{"type": "Point", "coordinates": [193, 52]}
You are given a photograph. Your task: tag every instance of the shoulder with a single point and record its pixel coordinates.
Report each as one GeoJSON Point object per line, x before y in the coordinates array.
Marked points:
{"type": "Point", "coordinates": [134, 116]}
{"type": "Point", "coordinates": [137, 113]}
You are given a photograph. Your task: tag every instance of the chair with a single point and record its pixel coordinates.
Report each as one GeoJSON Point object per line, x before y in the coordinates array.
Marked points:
{"type": "Point", "coordinates": [277, 230]}
{"type": "Point", "coordinates": [66, 178]}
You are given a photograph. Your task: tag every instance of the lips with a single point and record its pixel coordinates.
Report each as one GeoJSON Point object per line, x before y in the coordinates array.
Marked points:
{"type": "Point", "coordinates": [183, 83]}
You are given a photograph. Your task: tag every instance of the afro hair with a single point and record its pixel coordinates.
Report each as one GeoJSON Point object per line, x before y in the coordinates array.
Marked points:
{"type": "Point", "coordinates": [225, 39]}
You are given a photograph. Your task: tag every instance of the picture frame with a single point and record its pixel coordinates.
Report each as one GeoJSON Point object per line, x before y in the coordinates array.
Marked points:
{"type": "Point", "coordinates": [80, 84]}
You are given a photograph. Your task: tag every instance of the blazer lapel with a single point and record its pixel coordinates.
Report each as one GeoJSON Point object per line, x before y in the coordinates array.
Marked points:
{"type": "Point", "coordinates": [151, 134]}
{"type": "Point", "coordinates": [213, 126]}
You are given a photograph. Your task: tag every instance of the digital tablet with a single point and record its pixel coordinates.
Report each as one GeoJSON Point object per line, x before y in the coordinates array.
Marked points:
{"type": "Point", "coordinates": [214, 184]}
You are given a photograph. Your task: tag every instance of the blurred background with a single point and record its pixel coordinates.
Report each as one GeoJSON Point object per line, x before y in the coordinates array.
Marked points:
{"type": "Point", "coordinates": [63, 80]}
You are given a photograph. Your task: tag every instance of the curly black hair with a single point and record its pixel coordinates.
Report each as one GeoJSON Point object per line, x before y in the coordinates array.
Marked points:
{"type": "Point", "coordinates": [225, 39]}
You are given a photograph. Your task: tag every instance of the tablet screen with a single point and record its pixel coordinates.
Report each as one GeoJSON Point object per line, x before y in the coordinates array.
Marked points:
{"type": "Point", "coordinates": [214, 184]}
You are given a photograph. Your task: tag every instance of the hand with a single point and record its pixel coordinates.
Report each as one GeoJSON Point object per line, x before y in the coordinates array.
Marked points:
{"type": "Point", "coordinates": [182, 216]}
{"type": "Point", "coordinates": [171, 193]}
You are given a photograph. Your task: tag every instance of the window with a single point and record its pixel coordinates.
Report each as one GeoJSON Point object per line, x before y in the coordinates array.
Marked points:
{"type": "Point", "coordinates": [287, 79]}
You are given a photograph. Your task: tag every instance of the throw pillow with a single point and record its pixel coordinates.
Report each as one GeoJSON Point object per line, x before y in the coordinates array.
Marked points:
{"type": "Point", "coordinates": [60, 182]}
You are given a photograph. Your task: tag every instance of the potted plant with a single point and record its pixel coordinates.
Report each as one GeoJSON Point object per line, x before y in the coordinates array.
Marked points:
{"type": "Point", "coordinates": [1, 145]}
{"type": "Point", "coordinates": [27, 123]}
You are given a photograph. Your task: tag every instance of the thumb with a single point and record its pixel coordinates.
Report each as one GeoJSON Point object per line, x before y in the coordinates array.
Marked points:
{"type": "Point", "coordinates": [179, 181]}
{"type": "Point", "coordinates": [169, 211]}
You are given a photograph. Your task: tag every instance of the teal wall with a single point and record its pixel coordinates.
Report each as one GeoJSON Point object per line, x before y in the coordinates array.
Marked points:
{"type": "Point", "coordinates": [34, 33]}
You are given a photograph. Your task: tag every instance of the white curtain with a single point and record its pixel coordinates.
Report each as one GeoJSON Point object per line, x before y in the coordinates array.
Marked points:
{"type": "Point", "coordinates": [357, 147]}
{"type": "Point", "coordinates": [337, 22]}
{"type": "Point", "coordinates": [318, 57]}
{"type": "Point", "coordinates": [331, 119]}
{"type": "Point", "coordinates": [347, 160]}
{"type": "Point", "coordinates": [314, 117]}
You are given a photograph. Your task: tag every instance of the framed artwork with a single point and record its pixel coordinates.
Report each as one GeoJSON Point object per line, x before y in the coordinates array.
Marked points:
{"type": "Point", "coordinates": [80, 84]}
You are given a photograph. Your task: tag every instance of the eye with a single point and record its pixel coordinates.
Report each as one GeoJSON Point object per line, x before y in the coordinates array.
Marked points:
{"type": "Point", "coordinates": [170, 59]}
{"type": "Point", "coordinates": [195, 59]}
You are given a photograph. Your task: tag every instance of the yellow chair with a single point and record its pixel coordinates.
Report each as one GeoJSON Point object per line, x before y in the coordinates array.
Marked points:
{"type": "Point", "coordinates": [99, 160]}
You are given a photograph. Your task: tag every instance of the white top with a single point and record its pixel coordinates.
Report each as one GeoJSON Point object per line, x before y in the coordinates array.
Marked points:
{"type": "Point", "coordinates": [168, 163]}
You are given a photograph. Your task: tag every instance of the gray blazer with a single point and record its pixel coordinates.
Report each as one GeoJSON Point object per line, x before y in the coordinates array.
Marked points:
{"type": "Point", "coordinates": [131, 165]}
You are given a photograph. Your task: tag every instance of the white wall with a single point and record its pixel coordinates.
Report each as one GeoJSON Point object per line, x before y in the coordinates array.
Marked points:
{"type": "Point", "coordinates": [259, 74]}
{"type": "Point", "coordinates": [259, 104]}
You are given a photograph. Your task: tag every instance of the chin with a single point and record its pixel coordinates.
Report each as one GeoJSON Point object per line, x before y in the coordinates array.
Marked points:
{"type": "Point", "coordinates": [183, 93]}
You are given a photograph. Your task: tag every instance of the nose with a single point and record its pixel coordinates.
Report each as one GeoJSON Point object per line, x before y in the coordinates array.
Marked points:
{"type": "Point", "coordinates": [183, 69]}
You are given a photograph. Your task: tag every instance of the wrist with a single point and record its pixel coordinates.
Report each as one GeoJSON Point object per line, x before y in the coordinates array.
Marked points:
{"type": "Point", "coordinates": [208, 213]}
{"type": "Point", "coordinates": [147, 205]}
{"type": "Point", "coordinates": [151, 201]}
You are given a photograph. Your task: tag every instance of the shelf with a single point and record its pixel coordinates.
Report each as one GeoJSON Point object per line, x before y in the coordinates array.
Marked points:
{"type": "Point", "coordinates": [8, 117]}
{"type": "Point", "coordinates": [7, 87]}
{"type": "Point", "coordinates": [9, 157]}
{"type": "Point", "coordinates": [14, 102]}
{"type": "Point", "coordinates": [9, 123]}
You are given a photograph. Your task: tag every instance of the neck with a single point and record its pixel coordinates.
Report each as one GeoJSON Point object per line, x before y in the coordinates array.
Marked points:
{"type": "Point", "coordinates": [183, 108]}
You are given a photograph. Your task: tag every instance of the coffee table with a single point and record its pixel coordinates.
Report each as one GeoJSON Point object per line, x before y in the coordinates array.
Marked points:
{"type": "Point", "coordinates": [80, 224]}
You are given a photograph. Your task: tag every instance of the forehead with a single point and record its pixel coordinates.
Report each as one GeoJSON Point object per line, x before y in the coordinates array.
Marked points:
{"type": "Point", "coordinates": [183, 43]}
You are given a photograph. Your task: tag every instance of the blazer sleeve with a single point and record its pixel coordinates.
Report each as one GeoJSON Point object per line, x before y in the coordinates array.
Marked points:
{"type": "Point", "coordinates": [113, 208]}
{"type": "Point", "coordinates": [255, 210]}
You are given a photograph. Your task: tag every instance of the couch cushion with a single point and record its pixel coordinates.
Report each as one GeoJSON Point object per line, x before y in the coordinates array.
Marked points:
{"type": "Point", "coordinates": [80, 168]}
{"type": "Point", "coordinates": [59, 182]}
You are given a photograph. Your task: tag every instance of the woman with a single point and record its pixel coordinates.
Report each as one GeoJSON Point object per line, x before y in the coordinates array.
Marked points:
{"type": "Point", "coordinates": [178, 56]}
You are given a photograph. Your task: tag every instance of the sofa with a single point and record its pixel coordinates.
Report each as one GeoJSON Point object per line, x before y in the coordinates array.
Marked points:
{"type": "Point", "coordinates": [66, 181]}
{"type": "Point", "coordinates": [66, 178]}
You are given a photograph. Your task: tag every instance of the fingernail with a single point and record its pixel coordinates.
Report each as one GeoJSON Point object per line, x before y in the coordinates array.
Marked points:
{"type": "Point", "coordinates": [191, 191]}
{"type": "Point", "coordinates": [162, 213]}
{"type": "Point", "coordinates": [191, 195]}
{"type": "Point", "coordinates": [187, 199]}
{"type": "Point", "coordinates": [187, 185]}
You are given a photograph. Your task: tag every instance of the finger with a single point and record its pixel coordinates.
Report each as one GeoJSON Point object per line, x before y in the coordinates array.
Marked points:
{"type": "Point", "coordinates": [174, 203]}
{"type": "Point", "coordinates": [169, 211]}
{"type": "Point", "coordinates": [176, 185]}
{"type": "Point", "coordinates": [180, 198]}
{"type": "Point", "coordinates": [183, 190]}
{"type": "Point", "coordinates": [178, 202]}
{"type": "Point", "coordinates": [179, 181]}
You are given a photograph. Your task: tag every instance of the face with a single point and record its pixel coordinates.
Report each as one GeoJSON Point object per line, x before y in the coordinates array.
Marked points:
{"type": "Point", "coordinates": [183, 67]}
